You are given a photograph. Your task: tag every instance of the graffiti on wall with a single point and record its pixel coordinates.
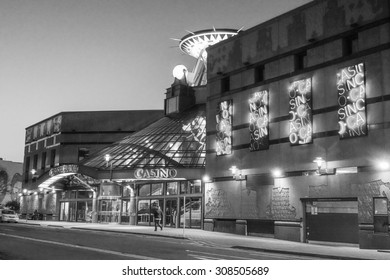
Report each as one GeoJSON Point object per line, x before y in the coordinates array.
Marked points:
{"type": "Point", "coordinates": [280, 207]}
{"type": "Point", "coordinates": [217, 203]}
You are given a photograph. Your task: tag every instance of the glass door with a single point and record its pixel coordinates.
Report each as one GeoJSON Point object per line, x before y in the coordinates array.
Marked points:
{"type": "Point", "coordinates": [64, 211]}
{"type": "Point", "coordinates": [84, 209]}
{"type": "Point", "coordinates": [72, 211]}
{"type": "Point", "coordinates": [196, 212]}
{"type": "Point", "coordinates": [170, 212]}
{"type": "Point", "coordinates": [190, 214]}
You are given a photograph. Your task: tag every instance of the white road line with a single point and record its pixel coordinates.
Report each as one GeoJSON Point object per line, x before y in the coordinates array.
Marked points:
{"type": "Point", "coordinates": [218, 255]}
{"type": "Point", "coordinates": [199, 257]}
{"type": "Point", "coordinates": [139, 257]}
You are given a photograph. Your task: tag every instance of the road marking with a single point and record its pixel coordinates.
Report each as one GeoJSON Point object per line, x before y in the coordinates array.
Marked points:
{"type": "Point", "coordinates": [139, 257]}
{"type": "Point", "coordinates": [218, 256]}
{"type": "Point", "coordinates": [199, 257]}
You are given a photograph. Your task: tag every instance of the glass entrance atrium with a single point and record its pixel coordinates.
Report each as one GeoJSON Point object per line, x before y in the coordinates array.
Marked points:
{"type": "Point", "coordinates": [176, 140]}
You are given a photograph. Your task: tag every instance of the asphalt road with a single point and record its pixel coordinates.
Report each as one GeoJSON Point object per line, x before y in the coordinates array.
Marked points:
{"type": "Point", "coordinates": [26, 242]}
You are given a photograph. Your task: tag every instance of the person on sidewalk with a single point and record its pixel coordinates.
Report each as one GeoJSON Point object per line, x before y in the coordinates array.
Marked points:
{"type": "Point", "coordinates": [158, 214]}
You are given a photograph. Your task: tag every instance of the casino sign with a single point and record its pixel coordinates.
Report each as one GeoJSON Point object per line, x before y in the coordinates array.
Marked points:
{"type": "Point", "coordinates": [156, 173]}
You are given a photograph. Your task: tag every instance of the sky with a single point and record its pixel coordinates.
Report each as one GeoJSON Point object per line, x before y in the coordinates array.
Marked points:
{"type": "Point", "coordinates": [98, 55]}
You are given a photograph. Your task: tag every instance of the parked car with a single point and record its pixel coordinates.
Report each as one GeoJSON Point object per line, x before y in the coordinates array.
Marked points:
{"type": "Point", "coordinates": [8, 215]}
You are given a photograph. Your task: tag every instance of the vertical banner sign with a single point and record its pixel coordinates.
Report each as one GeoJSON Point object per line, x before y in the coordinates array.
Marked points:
{"type": "Point", "coordinates": [351, 89]}
{"type": "Point", "coordinates": [224, 127]}
{"type": "Point", "coordinates": [259, 121]}
{"type": "Point", "coordinates": [301, 117]}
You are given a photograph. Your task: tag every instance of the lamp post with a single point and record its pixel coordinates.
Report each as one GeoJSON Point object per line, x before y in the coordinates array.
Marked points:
{"type": "Point", "coordinates": [107, 158]}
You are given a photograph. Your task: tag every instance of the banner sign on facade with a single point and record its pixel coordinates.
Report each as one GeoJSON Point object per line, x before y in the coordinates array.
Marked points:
{"type": "Point", "coordinates": [259, 121]}
{"type": "Point", "coordinates": [301, 117]}
{"type": "Point", "coordinates": [44, 129]}
{"type": "Point", "coordinates": [68, 168]}
{"type": "Point", "coordinates": [351, 93]}
{"type": "Point", "coordinates": [224, 127]}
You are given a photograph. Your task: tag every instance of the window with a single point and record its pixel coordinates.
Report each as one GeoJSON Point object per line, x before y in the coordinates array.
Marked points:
{"type": "Point", "coordinates": [350, 45]}
{"type": "Point", "coordinates": [196, 186]}
{"type": "Point", "coordinates": [35, 162]}
{"type": "Point", "coordinates": [300, 61]}
{"type": "Point", "coordinates": [43, 161]}
{"type": "Point", "coordinates": [172, 188]}
{"type": "Point", "coordinates": [157, 189]}
{"type": "Point", "coordinates": [259, 73]}
{"type": "Point", "coordinates": [381, 220]}
{"type": "Point", "coordinates": [144, 190]}
{"type": "Point", "coordinates": [52, 158]}
{"type": "Point", "coordinates": [83, 153]}
{"type": "Point", "coordinates": [26, 169]}
{"type": "Point", "coordinates": [225, 84]}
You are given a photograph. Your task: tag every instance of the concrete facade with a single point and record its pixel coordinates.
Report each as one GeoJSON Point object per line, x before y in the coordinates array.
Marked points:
{"type": "Point", "coordinates": [312, 44]}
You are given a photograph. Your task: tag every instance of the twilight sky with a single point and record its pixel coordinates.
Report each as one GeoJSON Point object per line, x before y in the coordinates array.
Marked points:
{"type": "Point", "coordinates": [92, 55]}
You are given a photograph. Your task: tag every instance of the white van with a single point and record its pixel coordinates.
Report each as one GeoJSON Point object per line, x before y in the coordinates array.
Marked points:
{"type": "Point", "coordinates": [8, 215]}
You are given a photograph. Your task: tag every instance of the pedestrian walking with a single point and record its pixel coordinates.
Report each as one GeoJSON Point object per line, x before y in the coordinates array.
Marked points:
{"type": "Point", "coordinates": [158, 214]}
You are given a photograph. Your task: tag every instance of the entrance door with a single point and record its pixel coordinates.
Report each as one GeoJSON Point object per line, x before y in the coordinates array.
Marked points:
{"type": "Point", "coordinates": [72, 211]}
{"type": "Point", "coordinates": [109, 210]}
{"type": "Point", "coordinates": [190, 212]}
{"type": "Point", "coordinates": [83, 211]}
{"type": "Point", "coordinates": [64, 211]}
{"type": "Point", "coordinates": [170, 212]}
{"type": "Point", "coordinates": [332, 221]}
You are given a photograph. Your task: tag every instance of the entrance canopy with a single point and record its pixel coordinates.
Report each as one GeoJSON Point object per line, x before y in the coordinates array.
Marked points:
{"type": "Point", "coordinates": [174, 141]}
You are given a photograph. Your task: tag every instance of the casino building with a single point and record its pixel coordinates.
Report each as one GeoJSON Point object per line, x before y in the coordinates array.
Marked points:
{"type": "Point", "coordinates": [298, 126]}
{"type": "Point", "coordinates": [160, 163]}
{"type": "Point", "coordinates": [295, 145]}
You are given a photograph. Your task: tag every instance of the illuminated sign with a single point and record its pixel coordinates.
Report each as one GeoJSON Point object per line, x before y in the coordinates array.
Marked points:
{"type": "Point", "coordinates": [68, 168]}
{"type": "Point", "coordinates": [351, 89]}
{"type": "Point", "coordinates": [224, 127]}
{"type": "Point", "coordinates": [156, 173]}
{"type": "Point", "coordinates": [197, 128]}
{"type": "Point", "coordinates": [301, 117]}
{"type": "Point", "coordinates": [259, 121]}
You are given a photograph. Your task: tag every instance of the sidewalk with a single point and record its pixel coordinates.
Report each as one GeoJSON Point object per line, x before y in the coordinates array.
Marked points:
{"type": "Point", "coordinates": [226, 240]}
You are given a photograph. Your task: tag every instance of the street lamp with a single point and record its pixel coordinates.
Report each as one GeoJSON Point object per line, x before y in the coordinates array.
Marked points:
{"type": "Point", "coordinates": [108, 160]}
{"type": "Point", "coordinates": [276, 173]}
{"type": "Point", "coordinates": [319, 161]}
{"type": "Point", "coordinates": [206, 179]}
{"type": "Point", "coordinates": [236, 173]}
{"type": "Point", "coordinates": [34, 174]}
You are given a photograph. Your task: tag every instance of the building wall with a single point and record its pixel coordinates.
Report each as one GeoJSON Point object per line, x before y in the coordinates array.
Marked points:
{"type": "Point", "coordinates": [311, 42]}
{"type": "Point", "coordinates": [10, 180]}
{"type": "Point", "coordinates": [318, 20]}
{"type": "Point", "coordinates": [62, 138]}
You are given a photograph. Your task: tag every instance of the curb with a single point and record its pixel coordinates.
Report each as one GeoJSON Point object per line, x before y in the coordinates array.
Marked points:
{"type": "Point", "coordinates": [128, 232]}
{"type": "Point", "coordinates": [296, 253]}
